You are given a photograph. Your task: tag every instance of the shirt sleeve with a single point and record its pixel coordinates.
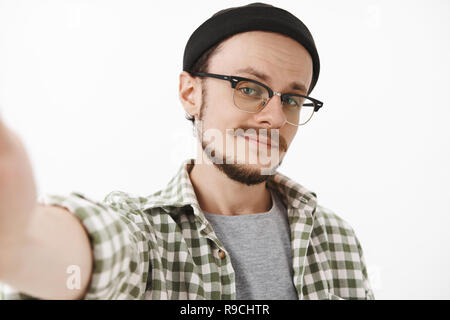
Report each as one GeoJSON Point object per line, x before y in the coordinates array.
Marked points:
{"type": "Point", "coordinates": [345, 257]}
{"type": "Point", "coordinates": [118, 241]}
{"type": "Point", "coordinates": [369, 292]}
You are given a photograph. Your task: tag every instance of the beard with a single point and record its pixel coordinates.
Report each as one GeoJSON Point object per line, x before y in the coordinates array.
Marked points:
{"type": "Point", "coordinates": [238, 172]}
{"type": "Point", "coordinates": [242, 173]}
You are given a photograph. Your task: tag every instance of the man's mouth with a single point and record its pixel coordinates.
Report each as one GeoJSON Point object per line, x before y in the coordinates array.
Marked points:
{"type": "Point", "coordinates": [261, 140]}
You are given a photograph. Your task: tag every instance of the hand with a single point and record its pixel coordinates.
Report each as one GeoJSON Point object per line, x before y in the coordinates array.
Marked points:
{"type": "Point", "coordinates": [18, 194]}
{"type": "Point", "coordinates": [37, 242]}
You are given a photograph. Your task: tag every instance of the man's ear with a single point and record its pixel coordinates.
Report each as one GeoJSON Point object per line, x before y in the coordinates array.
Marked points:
{"type": "Point", "coordinates": [190, 93]}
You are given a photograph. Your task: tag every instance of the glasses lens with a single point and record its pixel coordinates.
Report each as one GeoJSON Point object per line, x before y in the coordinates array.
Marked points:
{"type": "Point", "coordinates": [249, 96]}
{"type": "Point", "coordinates": [298, 110]}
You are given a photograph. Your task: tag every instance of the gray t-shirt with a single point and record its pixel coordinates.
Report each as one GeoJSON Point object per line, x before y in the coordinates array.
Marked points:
{"type": "Point", "coordinates": [260, 251]}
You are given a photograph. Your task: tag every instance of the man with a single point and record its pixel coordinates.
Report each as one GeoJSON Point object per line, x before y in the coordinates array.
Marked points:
{"type": "Point", "coordinates": [228, 225]}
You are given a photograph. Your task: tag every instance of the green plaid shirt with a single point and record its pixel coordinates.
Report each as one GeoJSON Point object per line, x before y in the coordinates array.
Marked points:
{"type": "Point", "coordinates": [162, 246]}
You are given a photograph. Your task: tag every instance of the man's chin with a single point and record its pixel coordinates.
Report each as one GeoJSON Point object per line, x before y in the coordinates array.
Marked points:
{"type": "Point", "coordinates": [247, 170]}
{"type": "Point", "coordinates": [249, 174]}
{"type": "Point", "coordinates": [264, 165]}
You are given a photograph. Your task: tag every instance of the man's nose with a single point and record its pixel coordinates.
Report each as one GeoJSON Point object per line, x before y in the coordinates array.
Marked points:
{"type": "Point", "coordinates": [272, 114]}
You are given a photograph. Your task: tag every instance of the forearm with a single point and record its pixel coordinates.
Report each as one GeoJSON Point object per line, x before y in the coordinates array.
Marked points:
{"type": "Point", "coordinates": [41, 260]}
{"type": "Point", "coordinates": [17, 187]}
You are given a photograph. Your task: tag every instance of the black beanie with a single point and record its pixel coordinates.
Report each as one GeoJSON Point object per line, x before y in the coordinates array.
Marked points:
{"type": "Point", "coordinates": [251, 17]}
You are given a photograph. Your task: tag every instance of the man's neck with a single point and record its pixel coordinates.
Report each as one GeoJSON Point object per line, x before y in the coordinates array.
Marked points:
{"type": "Point", "coordinates": [216, 193]}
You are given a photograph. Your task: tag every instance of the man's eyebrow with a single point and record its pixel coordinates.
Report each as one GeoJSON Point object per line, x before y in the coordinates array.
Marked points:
{"type": "Point", "coordinates": [266, 78]}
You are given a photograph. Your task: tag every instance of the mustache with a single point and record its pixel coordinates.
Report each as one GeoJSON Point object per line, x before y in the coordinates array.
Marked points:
{"type": "Point", "coordinates": [265, 133]}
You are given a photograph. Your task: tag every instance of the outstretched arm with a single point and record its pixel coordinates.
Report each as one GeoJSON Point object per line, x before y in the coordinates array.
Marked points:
{"type": "Point", "coordinates": [37, 243]}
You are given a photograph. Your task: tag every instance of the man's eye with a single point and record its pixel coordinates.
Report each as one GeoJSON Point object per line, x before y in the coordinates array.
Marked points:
{"type": "Point", "coordinates": [248, 91]}
{"type": "Point", "coordinates": [291, 102]}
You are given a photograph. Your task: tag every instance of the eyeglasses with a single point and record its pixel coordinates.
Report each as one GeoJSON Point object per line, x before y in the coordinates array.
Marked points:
{"type": "Point", "coordinates": [251, 96]}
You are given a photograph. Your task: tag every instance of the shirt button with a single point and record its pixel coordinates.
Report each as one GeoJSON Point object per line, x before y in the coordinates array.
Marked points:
{"type": "Point", "coordinates": [221, 254]}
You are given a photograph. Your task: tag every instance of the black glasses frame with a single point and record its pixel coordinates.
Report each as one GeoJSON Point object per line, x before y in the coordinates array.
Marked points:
{"type": "Point", "coordinates": [234, 80]}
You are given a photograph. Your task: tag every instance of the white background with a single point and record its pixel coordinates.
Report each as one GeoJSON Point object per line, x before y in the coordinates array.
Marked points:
{"type": "Point", "coordinates": [91, 86]}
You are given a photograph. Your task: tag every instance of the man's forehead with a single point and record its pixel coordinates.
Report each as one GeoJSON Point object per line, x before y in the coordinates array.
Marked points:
{"type": "Point", "coordinates": [240, 55]}
{"type": "Point", "coordinates": [269, 46]}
